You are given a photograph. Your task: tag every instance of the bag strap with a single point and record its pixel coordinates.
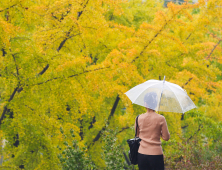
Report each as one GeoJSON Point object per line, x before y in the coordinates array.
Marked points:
{"type": "Point", "coordinates": [136, 124]}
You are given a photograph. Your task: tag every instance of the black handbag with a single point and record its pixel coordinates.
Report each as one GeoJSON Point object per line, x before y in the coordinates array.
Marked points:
{"type": "Point", "coordinates": [134, 146]}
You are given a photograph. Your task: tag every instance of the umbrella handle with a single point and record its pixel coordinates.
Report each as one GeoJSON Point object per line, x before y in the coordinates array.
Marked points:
{"type": "Point", "coordinates": [161, 93]}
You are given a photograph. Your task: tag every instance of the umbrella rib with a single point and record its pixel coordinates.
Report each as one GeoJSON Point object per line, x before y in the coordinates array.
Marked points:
{"type": "Point", "coordinates": [161, 97]}
{"type": "Point", "coordinates": [176, 97]}
{"type": "Point", "coordinates": [144, 90]}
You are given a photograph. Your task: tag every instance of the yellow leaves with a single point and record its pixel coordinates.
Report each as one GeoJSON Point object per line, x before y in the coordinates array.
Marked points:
{"type": "Point", "coordinates": [124, 45]}
{"type": "Point", "coordinates": [74, 64]}
{"type": "Point", "coordinates": [6, 27]}
{"type": "Point", "coordinates": [126, 120]}
{"type": "Point", "coordinates": [147, 26]}
{"type": "Point", "coordinates": [190, 28]}
{"type": "Point", "coordinates": [185, 61]}
{"type": "Point", "coordinates": [115, 5]}
{"type": "Point", "coordinates": [95, 63]}
{"type": "Point", "coordinates": [205, 48]}
{"type": "Point", "coordinates": [7, 31]}
{"type": "Point", "coordinates": [196, 87]}
{"type": "Point", "coordinates": [68, 126]}
{"type": "Point", "coordinates": [201, 2]}
{"type": "Point", "coordinates": [212, 105]}
{"type": "Point", "coordinates": [1, 137]}
{"type": "Point", "coordinates": [174, 8]}
{"type": "Point", "coordinates": [118, 11]}
{"type": "Point", "coordinates": [161, 17]}
{"type": "Point", "coordinates": [174, 125]}
{"type": "Point", "coordinates": [154, 52]}
{"type": "Point", "coordinates": [183, 9]}
{"type": "Point", "coordinates": [181, 22]}
{"type": "Point", "coordinates": [116, 57]}
{"type": "Point", "coordinates": [2, 61]}
{"type": "Point", "coordinates": [187, 14]}
{"type": "Point", "coordinates": [177, 41]}
{"type": "Point", "coordinates": [131, 54]}
{"type": "Point", "coordinates": [2, 105]}
{"type": "Point", "coordinates": [39, 9]}
{"type": "Point", "coordinates": [123, 28]}
{"type": "Point", "coordinates": [165, 33]}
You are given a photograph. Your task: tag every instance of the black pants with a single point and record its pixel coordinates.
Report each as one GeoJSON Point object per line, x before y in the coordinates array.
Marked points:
{"type": "Point", "coordinates": [150, 162]}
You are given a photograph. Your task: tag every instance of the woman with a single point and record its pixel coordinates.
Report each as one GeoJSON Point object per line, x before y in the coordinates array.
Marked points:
{"type": "Point", "coordinates": [152, 126]}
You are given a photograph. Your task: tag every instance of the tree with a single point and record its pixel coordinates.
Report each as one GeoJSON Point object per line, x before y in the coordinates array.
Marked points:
{"type": "Point", "coordinates": [68, 64]}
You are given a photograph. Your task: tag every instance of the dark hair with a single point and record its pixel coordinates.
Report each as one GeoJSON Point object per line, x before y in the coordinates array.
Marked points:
{"type": "Point", "coordinates": [151, 100]}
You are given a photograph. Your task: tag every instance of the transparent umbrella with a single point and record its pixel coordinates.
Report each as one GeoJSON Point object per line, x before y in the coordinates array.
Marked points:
{"type": "Point", "coordinates": [161, 95]}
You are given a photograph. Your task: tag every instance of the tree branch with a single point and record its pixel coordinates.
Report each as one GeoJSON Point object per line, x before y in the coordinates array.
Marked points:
{"type": "Point", "coordinates": [63, 42]}
{"type": "Point", "coordinates": [74, 75]}
{"type": "Point", "coordinates": [187, 82]}
{"type": "Point", "coordinates": [68, 36]}
{"type": "Point", "coordinates": [6, 108]}
{"type": "Point", "coordinates": [199, 128]}
{"type": "Point", "coordinates": [3, 52]}
{"type": "Point", "coordinates": [182, 116]}
{"type": "Point", "coordinates": [81, 128]}
{"type": "Point", "coordinates": [44, 70]}
{"type": "Point", "coordinates": [17, 70]}
{"type": "Point", "coordinates": [188, 36]}
{"type": "Point", "coordinates": [63, 14]}
{"type": "Point", "coordinates": [183, 127]}
{"type": "Point", "coordinates": [40, 73]}
{"type": "Point", "coordinates": [69, 32]}
{"type": "Point", "coordinates": [109, 118]}
{"type": "Point", "coordinates": [92, 122]}
{"type": "Point", "coordinates": [124, 128]}
{"type": "Point", "coordinates": [17, 89]}
{"type": "Point", "coordinates": [214, 36]}
{"type": "Point", "coordinates": [80, 13]}
{"type": "Point", "coordinates": [8, 8]}
{"type": "Point", "coordinates": [154, 37]}
{"type": "Point", "coordinates": [213, 49]}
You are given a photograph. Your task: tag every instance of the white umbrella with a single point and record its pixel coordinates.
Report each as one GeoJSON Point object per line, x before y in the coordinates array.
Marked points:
{"type": "Point", "coordinates": [161, 95]}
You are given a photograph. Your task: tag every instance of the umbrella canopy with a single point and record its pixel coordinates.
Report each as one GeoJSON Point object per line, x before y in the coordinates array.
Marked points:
{"type": "Point", "coordinates": [161, 95]}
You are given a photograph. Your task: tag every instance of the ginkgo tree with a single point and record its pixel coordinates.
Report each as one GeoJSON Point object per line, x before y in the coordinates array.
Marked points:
{"type": "Point", "coordinates": [68, 64]}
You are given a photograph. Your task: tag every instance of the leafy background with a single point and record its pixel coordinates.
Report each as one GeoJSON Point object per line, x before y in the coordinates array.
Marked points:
{"type": "Point", "coordinates": [66, 65]}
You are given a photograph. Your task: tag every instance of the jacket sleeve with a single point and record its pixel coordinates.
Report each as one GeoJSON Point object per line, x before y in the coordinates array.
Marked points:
{"type": "Point", "coordinates": [164, 130]}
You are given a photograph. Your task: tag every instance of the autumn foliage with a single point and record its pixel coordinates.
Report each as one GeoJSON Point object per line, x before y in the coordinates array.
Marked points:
{"type": "Point", "coordinates": [67, 64]}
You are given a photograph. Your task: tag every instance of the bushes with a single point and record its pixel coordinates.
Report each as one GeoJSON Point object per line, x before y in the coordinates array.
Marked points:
{"type": "Point", "coordinates": [113, 152]}
{"type": "Point", "coordinates": [73, 157]}
{"type": "Point", "coordinates": [192, 156]}
{"type": "Point", "coordinates": [185, 155]}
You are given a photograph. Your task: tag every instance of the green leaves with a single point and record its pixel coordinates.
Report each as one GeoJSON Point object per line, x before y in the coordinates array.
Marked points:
{"type": "Point", "coordinates": [74, 157]}
{"type": "Point", "coordinates": [113, 152]}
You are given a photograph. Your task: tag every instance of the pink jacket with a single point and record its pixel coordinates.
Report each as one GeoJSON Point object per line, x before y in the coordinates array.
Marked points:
{"type": "Point", "coordinates": [152, 126]}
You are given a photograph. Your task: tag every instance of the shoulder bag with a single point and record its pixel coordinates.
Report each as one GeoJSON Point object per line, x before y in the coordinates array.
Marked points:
{"type": "Point", "coordinates": [134, 146]}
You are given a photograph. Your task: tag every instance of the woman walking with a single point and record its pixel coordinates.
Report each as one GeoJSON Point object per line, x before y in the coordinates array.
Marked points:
{"type": "Point", "coordinates": [151, 126]}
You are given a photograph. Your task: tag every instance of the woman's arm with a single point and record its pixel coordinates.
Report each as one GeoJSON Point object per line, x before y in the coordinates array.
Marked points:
{"type": "Point", "coordinates": [164, 130]}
